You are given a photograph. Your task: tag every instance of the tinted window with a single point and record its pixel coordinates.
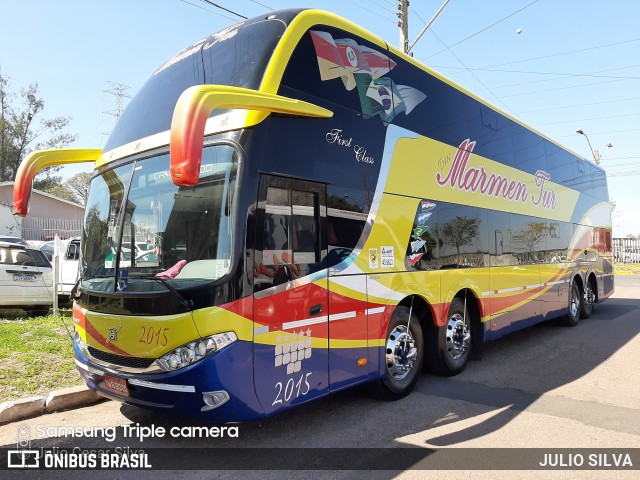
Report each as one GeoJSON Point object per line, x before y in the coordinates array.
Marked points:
{"type": "Point", "coordinates": [234, 56]}
{"type": "Point", "coordinates": [557, 242]}
{"type": "Point", "coordinates": [23, 257]}
{"type": "Point", "coordinates": [528, 150]}
{"type": "Point", "coordinates": [448, 236]}
{"type": "Point", "coordinates": [292, 244]}
{"type": "Point", "coordinates": [527, 239]}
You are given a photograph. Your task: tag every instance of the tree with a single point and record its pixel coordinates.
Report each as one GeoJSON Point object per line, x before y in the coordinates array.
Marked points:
{"type": "Point", "coordinates": [20, 134]}
{"type": "Point", "coordinates": [61, 191]}
{"type": "Point", "coordinates": [460, 231]}
{"type": "Point", "coordinates": [79, 186]}
{"type": "Point", "coordinates": [528, 238]}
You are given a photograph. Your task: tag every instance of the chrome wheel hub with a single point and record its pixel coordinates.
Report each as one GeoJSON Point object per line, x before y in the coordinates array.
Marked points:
{"type": "Point", "coordinates": [575, 303]}
{"type": "Point", "coordinates": [589, 296]}
{"type": "Point", "coordinates": [458, 337]}
{"type": "Point", "coordinates": [401, 352]}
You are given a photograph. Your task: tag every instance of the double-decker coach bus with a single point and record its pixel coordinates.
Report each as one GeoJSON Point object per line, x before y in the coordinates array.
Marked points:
{"type": "Point", "coordinates": [291, 207]}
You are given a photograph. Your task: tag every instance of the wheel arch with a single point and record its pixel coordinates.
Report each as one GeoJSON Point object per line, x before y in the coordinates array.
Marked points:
{"type": "Point", "coordinates": [592, 277]}
{"type": "Point", "coordinates": [474, 307]}
{"type": "Point", "coordinates": [576, 276]}
{"type": "Point", "coordinates": [422, 309]}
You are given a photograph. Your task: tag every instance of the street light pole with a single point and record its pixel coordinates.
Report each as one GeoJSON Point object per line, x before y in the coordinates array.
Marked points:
{"type": "Point", "coordinates": [596, 158]}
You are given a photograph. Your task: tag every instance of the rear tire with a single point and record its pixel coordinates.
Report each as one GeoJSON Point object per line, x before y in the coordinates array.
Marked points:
{"type": "Point", "coordinates": [588, 300]}
{"type": "Point", "coordinates": [402, 356]}
{"type": "Point", "coordinates": [575, 306]}
{"type": "Point", "coordinates": [449, 346]}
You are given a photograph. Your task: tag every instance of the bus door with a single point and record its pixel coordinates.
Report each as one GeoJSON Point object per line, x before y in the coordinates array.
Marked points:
{"type": "Point", "coordinates": [291, 311]}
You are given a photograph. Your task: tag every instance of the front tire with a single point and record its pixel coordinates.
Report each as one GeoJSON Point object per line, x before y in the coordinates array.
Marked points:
{"type": "Point", "coordinates": [450, 345]}
{"type": "Point", "coordinates": [402, 356]}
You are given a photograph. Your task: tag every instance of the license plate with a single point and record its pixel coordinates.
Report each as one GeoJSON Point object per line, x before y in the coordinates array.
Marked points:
{"type": "Point", "coordinates": [117, 385]}
{"type": "Point", "coordinates": [23, 277]}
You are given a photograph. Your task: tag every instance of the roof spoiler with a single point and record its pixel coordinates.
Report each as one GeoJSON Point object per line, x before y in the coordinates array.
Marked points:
{"type": "Point", "coordinates": [193, 109]}
{"type": "Point", "coordinates": [36, 161]}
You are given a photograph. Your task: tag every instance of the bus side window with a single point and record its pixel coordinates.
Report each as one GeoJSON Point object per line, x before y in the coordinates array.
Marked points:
{"type": "Point", "coordinates": [291, 241]}
{"type": "Point", "coordinates": [276, 249]}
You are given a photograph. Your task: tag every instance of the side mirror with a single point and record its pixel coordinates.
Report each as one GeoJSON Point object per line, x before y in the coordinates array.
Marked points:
{"type": "Point", "coordinates": [38, 160]}
{"type": "Point", "coordinates": [196, 104]}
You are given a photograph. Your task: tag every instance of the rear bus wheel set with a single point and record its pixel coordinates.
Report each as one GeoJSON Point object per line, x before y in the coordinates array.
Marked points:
{"type": "Point", "coordinates": [447, 349]}
{"type": "Point", "coordinates": [449, 346]}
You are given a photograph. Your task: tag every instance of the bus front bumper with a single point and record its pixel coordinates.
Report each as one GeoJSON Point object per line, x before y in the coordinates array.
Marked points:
{"type": "Point", "coordinates": [218, 388]}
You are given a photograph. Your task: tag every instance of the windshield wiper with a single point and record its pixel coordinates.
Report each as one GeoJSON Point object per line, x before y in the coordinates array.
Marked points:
{"type": "Point", "coordinates": [187, 304]}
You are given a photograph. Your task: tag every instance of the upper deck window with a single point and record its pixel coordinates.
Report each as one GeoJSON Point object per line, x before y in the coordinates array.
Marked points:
{"type": "Point", "coordinates": [236, 56]}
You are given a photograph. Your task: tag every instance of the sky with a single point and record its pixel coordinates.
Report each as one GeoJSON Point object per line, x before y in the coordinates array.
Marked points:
{"type": "Point", "coordinates": [557, 65]}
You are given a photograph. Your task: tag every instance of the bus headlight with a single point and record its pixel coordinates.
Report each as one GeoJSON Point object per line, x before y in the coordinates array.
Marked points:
{"type": "Point", "coordinates": [79, 341]}
{"type": "Point", "coordinates": [192, 352]}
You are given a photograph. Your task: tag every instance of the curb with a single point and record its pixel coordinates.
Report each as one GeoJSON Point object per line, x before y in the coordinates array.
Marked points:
{"type": "Point", "coordinates": [63, 399]}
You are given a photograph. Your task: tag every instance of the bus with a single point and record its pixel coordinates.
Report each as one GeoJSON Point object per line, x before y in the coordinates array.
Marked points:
{"type": "Point", "coordinates": [318, 210]}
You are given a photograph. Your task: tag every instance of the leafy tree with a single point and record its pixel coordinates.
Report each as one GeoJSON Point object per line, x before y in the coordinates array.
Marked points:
{"type": "Point", "coordinates": [75, 190]}
{"type": "Point", "coordinates": [460, 231]}
{"type": "Point", "coordinates": [528, 238]}
{"type": "Point", "coordinates": [79, 186]}
{"type": "Point", "coordinates": [21, 132]}
{"type": "Point", "coordinates": [61, 191]}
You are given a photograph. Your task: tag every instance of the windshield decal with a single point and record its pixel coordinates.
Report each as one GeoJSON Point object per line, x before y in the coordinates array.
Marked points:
{"type": "Point", "coordinates": [364, 68]}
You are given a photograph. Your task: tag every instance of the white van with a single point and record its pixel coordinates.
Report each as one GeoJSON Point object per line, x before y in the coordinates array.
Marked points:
{"type": "Point", "coordinates": [68, 274]}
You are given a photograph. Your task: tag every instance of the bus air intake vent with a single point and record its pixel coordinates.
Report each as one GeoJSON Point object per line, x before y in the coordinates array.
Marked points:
{"type": "Point", "coordinates": [120, 360]}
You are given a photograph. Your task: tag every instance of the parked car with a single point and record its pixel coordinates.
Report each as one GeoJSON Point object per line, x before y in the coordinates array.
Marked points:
{"type": "Point", "coordinates": [10, 239]}
{"type": "Point", "coordinates": [47, 249]}
{"type": "Point", "coordinates": [26, 279]}
{"type": "Point", "coordinates": [68, 265]}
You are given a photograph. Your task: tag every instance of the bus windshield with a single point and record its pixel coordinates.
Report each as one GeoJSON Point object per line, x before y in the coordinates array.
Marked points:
{"type": "Point", "coordinates": [139, 226]}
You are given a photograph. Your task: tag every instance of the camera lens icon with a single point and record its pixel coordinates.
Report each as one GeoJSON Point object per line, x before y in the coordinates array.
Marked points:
{"type": "Point", "coordinates": [23, 437]}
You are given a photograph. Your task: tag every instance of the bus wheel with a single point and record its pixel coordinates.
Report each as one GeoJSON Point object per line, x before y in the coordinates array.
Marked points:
{"type": "Point", "coordinates": [450, 345]}
{"type": "Point", "coordinates": [589, 300]}
{"type": "Point", "coordinates": [575, 306]}
{"type": "Point", "coordinates": [402, 357]}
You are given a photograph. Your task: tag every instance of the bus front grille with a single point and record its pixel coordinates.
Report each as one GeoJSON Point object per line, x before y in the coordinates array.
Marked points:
{"type": "Point", "coordinates": [121, 360]}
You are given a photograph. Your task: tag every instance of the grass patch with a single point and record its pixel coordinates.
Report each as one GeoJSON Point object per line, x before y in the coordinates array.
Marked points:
{"type": "Point", "coordinates": [36, 354]}
{"type": "Point", "coordinates": [627, 268]}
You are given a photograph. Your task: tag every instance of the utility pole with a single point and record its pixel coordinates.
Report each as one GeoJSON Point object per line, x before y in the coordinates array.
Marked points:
{"type": "Point", "coordinates": [403, 23]}
{"type": "Point", "coordinates": [118, 90]}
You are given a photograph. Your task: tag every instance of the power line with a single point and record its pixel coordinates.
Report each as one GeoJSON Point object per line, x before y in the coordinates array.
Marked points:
{"type": "Point", "coordinates": [384, 7]}
{"type": "Point", "coordinates": [590, 119]}
{"type": "Point", "coordinates": [473, 74]}
{"type": "Point", "coordinates": [207, 10]}
{"type": "Point", "coordinates": [559, 74]}
{"type": "Point", "coordinates": [564, 53]}
{"type": "Point", "coordinates": [370, 11]}
{"type": "Point", "coordinates": [262, 4]}
{"type": "Point", "coordinates": [483, 30]}
{"type": "Point", "coordinates": [601, 133]}
{"type": "Point", "coordinates": [561, 88]}
{"type": "Point", "coordinates": [580, 105]}
{"type": "Point", "coordinates": [223, 8]}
